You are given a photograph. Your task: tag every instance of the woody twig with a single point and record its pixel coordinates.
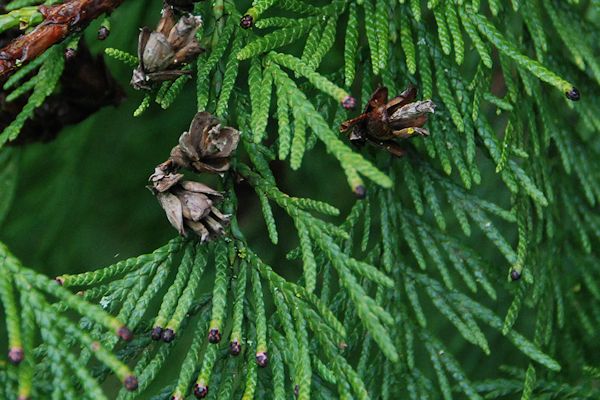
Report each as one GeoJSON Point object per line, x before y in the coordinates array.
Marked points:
{"type": "Point", "coordinates": [59, 21]}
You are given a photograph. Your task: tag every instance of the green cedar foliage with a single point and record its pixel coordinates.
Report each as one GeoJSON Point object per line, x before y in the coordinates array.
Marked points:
{"type": "Point", "coordinates": [408, 294]}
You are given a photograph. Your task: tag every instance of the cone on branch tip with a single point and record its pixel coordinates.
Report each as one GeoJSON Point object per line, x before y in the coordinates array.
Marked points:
{"type": "Point", "coordinates": [200, 391]}
{"type": "Point", "coordinates": [156, 333]}
{"type": "Point", "coordinates": [103, 33]}
{"type": "Point", "coordinates": [246, 22]}
{"type": "Point", "coordinates": [70, 53]}
{"type": "Point", "coordinates": [207, 146]}
{"type": "Point", "coordinates": [16, 355]}
{"type": "Point", "coordinates": [515, 275]}
{"type": "Point", "coordinates": [168, 335]}
{"type": "Point", "coordinates": [214, 335]}
{"type": "Point", "coordinates": [360, 191]}
{"type": "Point", "coordinates": [262, 359]}
{"type": "Point", "coordinates": [125, 333]}
{"type": "Point", "coordinates": [573, 94]}
{"type": "Point", "coordinates": [384, 120]}
{"type": "Point", "coordinates": [162, 52]}
{"type": "Point", "coordinates": [190, 205]}
{"type": "Point", "coordinates": [130, 383]}
{"type": "Point", "coordinates": [235, 347]}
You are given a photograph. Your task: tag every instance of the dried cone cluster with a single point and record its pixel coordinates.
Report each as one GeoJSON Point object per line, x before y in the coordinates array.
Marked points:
{"type": "Point", "coordinates": [207, 146]}
{"type": "Point", "coordinates": [385, 120]}
{"type": "Point", "coordinates": [163, 51]}
{"type": "Point", "coordinates": [190, 205]}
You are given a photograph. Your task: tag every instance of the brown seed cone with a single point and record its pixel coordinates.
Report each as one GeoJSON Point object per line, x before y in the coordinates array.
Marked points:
{"type": "Point", "coordinates": [207, 146]}
{"type": "Point", "coordinates": [163, 51]}
{"type": "Point", "coordinates": [189, 205]}
{"type": "Point", "coordinates": [384, 120]}
{"type": "Point", "coordinates": [164, 177]}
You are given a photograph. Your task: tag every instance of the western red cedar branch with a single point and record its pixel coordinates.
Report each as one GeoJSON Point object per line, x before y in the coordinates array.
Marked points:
{"type": "Point", "coordinates": [59, 21]}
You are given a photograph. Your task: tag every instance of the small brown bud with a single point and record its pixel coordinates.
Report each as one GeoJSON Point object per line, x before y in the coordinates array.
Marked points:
{"type": "Point", "coordinates": [235, 348]}
{"type": "Point", "coordinates": [573, 94]}
{"type": "Point", "coordinates": [156, 333]}
{"type": "Point", "coordinates": [296, 390]}
{"type": "Point", "coordinates": [124, 333]}
{"type": "Point", "coordinates": [103, 33]}
{"type": "Point", "coordinates": [200, 391]}
{"type": "Point", "coordinates": [168, 335]}
{"type": "Point", "coordinates": [261, 359]}
{"type": "Point", "coordinates": [70, 53]}
{"type": "Point", "coordinates": [15, 355]}
{"type": "Point", "coordinates": [515, 275]}
{"type": "Point", "coordinates": [214, 336]}
{"type": "Point", "coordinates": [130, 383]}
{"type": "Point", "coordinates": [247, 21]}
{"type": "Point", "coordinates": [349, 102]}
{"type": "Point", "coordinates": [59, 280]}
{"type": "Point", "coordinates": [360, 191]}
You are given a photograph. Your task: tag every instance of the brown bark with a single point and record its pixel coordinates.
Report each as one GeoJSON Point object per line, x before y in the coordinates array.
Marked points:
{"type": "Point", "coordinates": [59, 21]}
